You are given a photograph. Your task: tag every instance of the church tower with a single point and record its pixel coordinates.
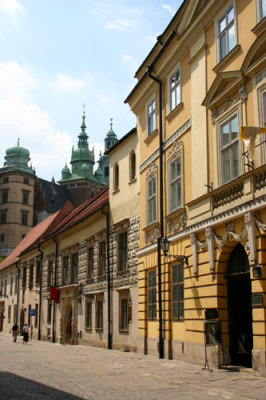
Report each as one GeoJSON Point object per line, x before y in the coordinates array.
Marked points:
{"type": "Point", "coordinates": [109, 141]}
{"type": "Point", "coordinates": [82, 183]}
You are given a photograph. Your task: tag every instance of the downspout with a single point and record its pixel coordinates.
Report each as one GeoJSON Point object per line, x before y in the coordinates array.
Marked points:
{"type": "Point", "coordinates": [161, 340]}
{"type": "Point", "coordinates": [40, 293]}
{"type": "Point", "coordinates": [107, 214]}
{"type": "Point", "coordinates": [18, 269]}
{"type": "Point", "coordinates": [55, 282]}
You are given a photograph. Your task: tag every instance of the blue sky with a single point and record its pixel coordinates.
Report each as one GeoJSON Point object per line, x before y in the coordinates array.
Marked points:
{"type": "Point", "coordinates": [56, 55]}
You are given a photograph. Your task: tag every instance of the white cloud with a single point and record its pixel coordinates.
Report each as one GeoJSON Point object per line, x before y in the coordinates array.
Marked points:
{"type": "Point", "coordinates": [21, 117]}
{"type": "Point", "coordinates": [126, 58]}
{"type": "Point", "coordinates": [121, 24]}
{"type": "Point", "coordinates": [169, 9]}
{"type": "Point", "coordinates": [70, 85]}
{"type": "Point", "coordinates": [13, 8]}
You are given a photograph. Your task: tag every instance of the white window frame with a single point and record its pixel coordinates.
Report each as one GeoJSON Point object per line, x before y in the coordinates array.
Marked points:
{"type": "Point", "coordinates": [228, 26]}
{"type": "Point", "coordinates": [259, 8]}
{"type": "Point", "coordinates": [174, 89]}
{"type": "Point", "coordinates": [151, 116]}
{"type": "Point", "coordinates": [174, 181]}
{"type": "Point", "coordinates": [150, 199]}
{"type": "Point", "coordinates": [261, 115]}
{"type": "Point", "coordinates": [229, 146]}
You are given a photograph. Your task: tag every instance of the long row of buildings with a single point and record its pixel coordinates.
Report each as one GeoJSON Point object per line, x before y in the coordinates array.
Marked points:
{"type": "Point", "coordinates": [170, 259]}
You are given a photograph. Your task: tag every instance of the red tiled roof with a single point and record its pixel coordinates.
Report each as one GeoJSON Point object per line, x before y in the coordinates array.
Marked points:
{"type": "Point", "coordinates": [80, 213]}
{"type": "Point", "coordinates": [32, 236]}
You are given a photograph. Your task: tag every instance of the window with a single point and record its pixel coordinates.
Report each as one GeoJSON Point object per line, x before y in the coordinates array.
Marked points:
{"type": "Point", "coordinates": [174, 89]}
{"type": "Point", "coordinates": [90, 262]}
{"type": "Point", "coordinates": [16, 285]}
{"type": "Point", "coordinates": [65, 270]}
{"type": "Point", "coordinates": [50, 273]}
{"type": "Point", "coordinates": [26, 181]}
{"type": "Point", "coordinates": [175, 184]}
{"type": "Point", "coordinates": [106, 172]}
{"type": "Point", "coordinates": [74, 268]}
{"type": "Point", "coordinates": [38, 269]}
{"type": "Point", "coordinates": [230, 149]}
{"type": "Point", "coordinates": [11, 286]}
{"type": "Point", "coordinates": [122, 251]}
{"type": "Point", "coordinates": [4, 196]}
{"type": "Point", "coordinates": [24, 217]}
{"type": "Point", "coordinates": [49, 312]}
{"type": "Point", "coordinates": [178, 291]}
{"type": "Point", "coordinates": [116, 176]}
{"type": "Point", "coordinates": [99, 314]}
{"type": "Point", "coordinates": [5, 287]}
{"type": "Point", "coordinates": [31, 276]}
{"type": "Point", "coordinates": [14, 313]}
{"type": "Point", "coordinates": [151, 117]}
{"type": "Point", "coordinates": [9, 314]}
{"type": "Point", "coordinates": [88, 319]}
{"type": "Point", "coordinates": [262, 9]}
{"type": "Point", "coordinates": [2, 237]}
{"type": "Point", "coordinates": [29, 315]}
{"type": "Point", "coordinates": [24, 276]}
{"type": "Point", "coordinates": [25, 196]}
{"type": "Point", "coordinates": [152, 295]}
{"type": "Point", "coordinates": [2, 284]}
{"type": "Point", "coordinates": [151, 200]}
{"type": "Point", "coordinates": [6, 179]}
{"type": "Point", "coordinates": [3, 217]}
{"type": "Point", "coordinates": [226, 32]}
{"type": "Point", "coordinates": [124, 314]}
{"type": "Point", "coordinates": [132, 166]}
{"type": "Point", "coordinates": [36, 315]}
{"type": "Point", "coordinates": [101, 265]}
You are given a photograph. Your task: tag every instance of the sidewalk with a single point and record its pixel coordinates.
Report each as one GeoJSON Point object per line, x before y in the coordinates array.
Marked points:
{"type": "Point", "coordinates": [45, 371]}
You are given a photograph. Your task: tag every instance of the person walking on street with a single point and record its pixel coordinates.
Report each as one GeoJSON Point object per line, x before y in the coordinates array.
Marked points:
{"type": "Point", "coordinates": [25, 334]}
{"type": "Point", "coordinates": [15, 332]}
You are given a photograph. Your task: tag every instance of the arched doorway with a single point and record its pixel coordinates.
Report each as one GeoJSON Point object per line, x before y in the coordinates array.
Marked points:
{"type": "Point", "coordinates": [239, 308]}
{"type": "Point", "coordinates": [68, 324]}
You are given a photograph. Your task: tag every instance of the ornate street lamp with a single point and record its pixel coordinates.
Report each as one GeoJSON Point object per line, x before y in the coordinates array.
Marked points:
{"type": "Point", "coordinates": [165, 248]}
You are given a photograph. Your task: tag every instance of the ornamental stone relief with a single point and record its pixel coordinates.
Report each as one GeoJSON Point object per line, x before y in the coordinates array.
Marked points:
{"type": "Point", "coordinates": [175, 150]}
{"type": "Point", "coordinates": [181, 224]}
{"type": "Point", "coordinates": [150, 239]}
{"type": "Point", "coordinates": [152, 170]}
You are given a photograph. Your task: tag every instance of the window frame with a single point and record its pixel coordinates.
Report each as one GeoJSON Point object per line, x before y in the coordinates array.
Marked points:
{"type": "Point", "coordinates": [225, 30]}
{"type": "Point", "coordinates": [4, 196]}
{"type": "Point", "coordinates": [122, 250]}
{"type": "Point", "coordinates": [151, 122]}
{"type": "Point", "coordinates": [50, 273]}
{"type": "Point", "coordinates": [259, 7]}
{"type": "Point", "coordinates": [132, 166]}
{"type": "Point", "coordinates": [3, 217]}
{"type": "Point", "coordinates": [74, 267]}
{"type": "Point", "coordinates": [125, 313]}
{"type": "Point", "coordinates": [116, 177]}
{"type": "Point", "coordinates": [152, 289]}
{"type": "Point", "coordinates": [88, 316]}
{"type": "Point", "coordinates": [65, 269]}
{"type": "Point", "coordinates": [37, 271]}
{"type": "Point", "coordinates": [49, 312]}
{"type": "Point", "coordinates": [25, 197]}
{"type": "Point", "coordinates": [99, 313]}
{"type": "Point", "coordinates": [174, 181]}
{"type": "Point", "coordinates": [150, 199]}
{"type": "Point", "coordinates": [179, 284]}
{"type": "Point", "coordinates": [24, 217]}
{"type": "Point", "coordinates": [174, 89]}
{"type": "Point", "coordinates": [229, 146]}
{"type": "Point", "coordinates": [102, 259]}
{"type": "Point", "coordinates": [90, 262]}
{"type": "Point", "coordinates": [31, 272]}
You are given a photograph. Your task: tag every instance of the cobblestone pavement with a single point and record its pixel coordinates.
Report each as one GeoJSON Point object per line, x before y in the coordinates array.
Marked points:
{"type": "Point", "coordinates": [41, 370]}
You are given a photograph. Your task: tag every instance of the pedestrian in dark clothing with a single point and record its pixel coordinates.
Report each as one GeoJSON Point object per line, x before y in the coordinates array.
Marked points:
{"type": "Point", "coordinates": [15, 332]}
{"type": "Point", "coordinates": [25, 334]}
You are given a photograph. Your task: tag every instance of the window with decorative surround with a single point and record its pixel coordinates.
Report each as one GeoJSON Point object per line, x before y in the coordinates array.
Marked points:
{"type": "Point", "coordinates": [230, 154]}
{"type": "Point", "coordinates": [132, 166]}
{"type": "Point", "coordinates": [124, 310]}
{"type": "Point", "coordinates": [226, 32]}
{"type": "Point", "coordinates": [74, 267]}
{"type": "Point", "coordinates": [151, 117]}
{"type": "Point", "coordinates": [122, 251]}
{"type": "Point", "coordinates": [65, 270]}
{"type": "Point", "coordinates": [88, 318]}
{"type": "Point", "coordinates": [152, 295]}
{"type": "Point", "coordinates": [102, 258]}
{"type": "Point", "coordinates": [99, 313]}
{"type": "Point", "coordinates": [116, 177]}
{"type": "Point", "coordinates": [174, 89]}
{"type": "Point", "coordinates": [178, 291]}
{"type": "Point", "coordinates": [90, 262]}
{"type": "Point", "coordinates": [261, 4]}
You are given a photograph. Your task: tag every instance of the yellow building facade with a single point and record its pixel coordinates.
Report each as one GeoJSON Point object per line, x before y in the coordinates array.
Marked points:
{"type": "Point", "coordinates": [200, 108]}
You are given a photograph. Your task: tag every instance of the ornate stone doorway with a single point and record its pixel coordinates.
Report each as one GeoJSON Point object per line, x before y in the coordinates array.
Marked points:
{"type": "Point", "coordinates": [239, 308]}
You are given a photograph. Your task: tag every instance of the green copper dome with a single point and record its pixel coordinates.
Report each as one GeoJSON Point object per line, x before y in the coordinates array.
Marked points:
{"type": "Point", "coordinates": [17, 151]}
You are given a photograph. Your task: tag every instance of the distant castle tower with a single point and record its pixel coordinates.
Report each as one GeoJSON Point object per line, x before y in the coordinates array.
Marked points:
{"type": "Point", "coordinates": [81, 182]}
{"type": "Point", "coordinates": [109, 141]}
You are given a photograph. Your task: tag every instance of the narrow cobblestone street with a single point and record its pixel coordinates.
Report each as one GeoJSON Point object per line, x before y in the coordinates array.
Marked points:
{"type": "Point", "coordinates": [42, 370]}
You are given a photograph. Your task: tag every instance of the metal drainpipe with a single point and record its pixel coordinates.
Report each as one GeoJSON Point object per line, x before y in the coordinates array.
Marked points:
{"type": "Point", "coordinates": [55, 282]}
{"type": "Point", "coordinates": [40, 293]}
{"type": "Point", "coordinates": [18, 269]}
{"type": "Point", "coordinates": [107, 214]}
{"type": "Point", "coordinates": [161, 340]}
